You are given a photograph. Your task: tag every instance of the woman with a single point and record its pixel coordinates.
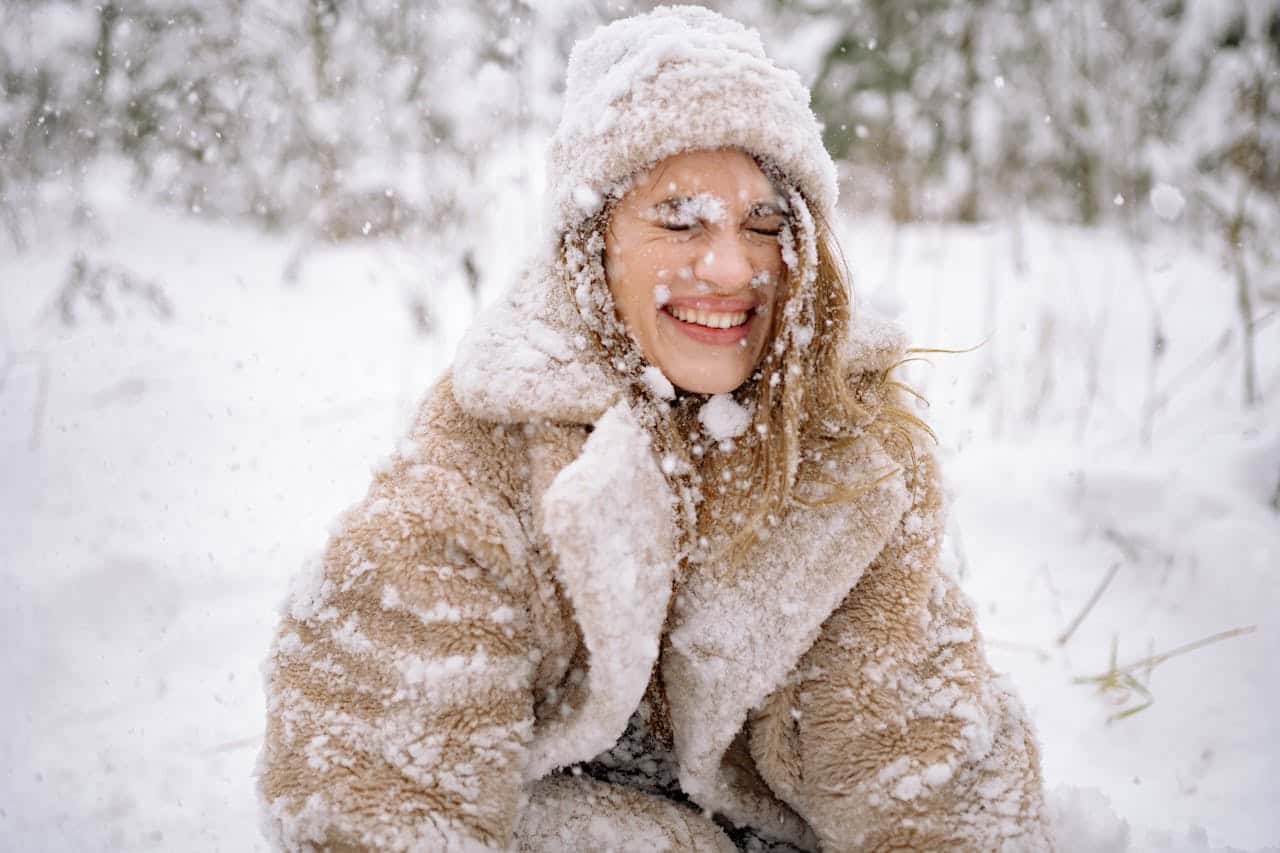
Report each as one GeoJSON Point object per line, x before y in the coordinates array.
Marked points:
{"type": "Point", "coordinates": [656, 567]}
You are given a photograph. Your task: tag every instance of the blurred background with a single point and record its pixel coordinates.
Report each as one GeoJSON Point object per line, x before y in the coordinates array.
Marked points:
{"type": "Point", "coordinates": [239, 239]}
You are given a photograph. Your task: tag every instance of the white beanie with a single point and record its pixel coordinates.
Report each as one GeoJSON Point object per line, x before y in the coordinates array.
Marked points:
{"type": "Point", "coordinates": [679, 78]}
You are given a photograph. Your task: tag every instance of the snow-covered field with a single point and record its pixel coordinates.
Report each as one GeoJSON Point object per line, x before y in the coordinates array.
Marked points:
{"type": "Point", "coordinates": [163, 478]}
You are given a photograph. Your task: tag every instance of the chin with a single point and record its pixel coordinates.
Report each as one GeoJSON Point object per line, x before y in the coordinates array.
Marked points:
{"type": "Point", "coordinates": [709, 384]}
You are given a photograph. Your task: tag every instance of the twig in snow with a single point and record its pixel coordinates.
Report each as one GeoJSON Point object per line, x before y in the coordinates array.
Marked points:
{"type": "Point", "coordinates": [1134, 547]}
{"type": "Point", "coordinates": [1262, 322]}
{"type": "Point", "coordinates": [1084, 611]}
{"type": "Point", "coordinates": [1125, 543]}
{"type": "Point", "coordinates": [1151, 661]}
{"type": "Point", "coordinates": [1195, 366]}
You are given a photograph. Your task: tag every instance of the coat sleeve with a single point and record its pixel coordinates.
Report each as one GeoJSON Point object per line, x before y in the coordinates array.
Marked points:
{"type": "Point", "coordinates": [399, 684]}
{"type": "Point", "coordinates": [895, 734]}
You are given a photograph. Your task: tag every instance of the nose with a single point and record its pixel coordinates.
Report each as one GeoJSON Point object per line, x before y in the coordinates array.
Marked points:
{"type": "Point", "coordinates": [725, 264]}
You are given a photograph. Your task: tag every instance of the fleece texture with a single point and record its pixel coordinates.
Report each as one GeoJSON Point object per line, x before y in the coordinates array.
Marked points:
{"type": "Point", "coordinates": [491, 612]}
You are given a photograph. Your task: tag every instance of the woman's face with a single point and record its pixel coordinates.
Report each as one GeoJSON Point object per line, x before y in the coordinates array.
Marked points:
{"type": "Point", "coordinates": [694, 260]}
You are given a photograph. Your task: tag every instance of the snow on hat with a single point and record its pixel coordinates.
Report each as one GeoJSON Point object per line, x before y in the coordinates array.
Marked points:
{"type": "Point", "coordinates": [678, 78]}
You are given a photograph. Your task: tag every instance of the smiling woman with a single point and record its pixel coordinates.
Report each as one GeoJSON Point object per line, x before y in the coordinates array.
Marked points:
{"type": "Point", "coordinates": [657, 566]}
{"type": "Point", "coordinates": [693, 259]}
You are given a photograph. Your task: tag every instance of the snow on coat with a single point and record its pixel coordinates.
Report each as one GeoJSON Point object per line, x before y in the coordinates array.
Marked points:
{"type": "Point", "coordinates": [491, 612]}
{"type": "Point", "coordinates": [491, 616]}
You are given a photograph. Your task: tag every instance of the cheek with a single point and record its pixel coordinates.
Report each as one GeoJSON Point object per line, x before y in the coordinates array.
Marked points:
{"type": "Point", "coordinates": [615, 269]}
{"type": "Point", "coordinates": [771, 275]}
{"type": "Point", "coordinates": [650, 271]}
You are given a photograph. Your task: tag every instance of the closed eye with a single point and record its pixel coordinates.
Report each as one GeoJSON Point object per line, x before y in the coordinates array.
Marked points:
{"type": "Point", "coordinates": [765, 219]}
{"type": "Point", "coordinates": [766, 227]}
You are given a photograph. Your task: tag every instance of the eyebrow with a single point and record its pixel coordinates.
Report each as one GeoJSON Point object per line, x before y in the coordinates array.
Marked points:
{"type": "Point", "coordinates": [765, 208]}
{"type": "Point", "coordinates": [673, 204]}
{"type": "Point", "coordinates": [673, 201]}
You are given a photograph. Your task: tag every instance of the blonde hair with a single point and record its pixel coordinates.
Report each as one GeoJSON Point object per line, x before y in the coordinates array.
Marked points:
{"type": "Point", "coordinates": [733, 492]}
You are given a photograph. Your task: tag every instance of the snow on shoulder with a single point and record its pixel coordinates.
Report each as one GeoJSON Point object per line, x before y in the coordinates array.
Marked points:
{"type": "Point", "coordinates": [873, 342]}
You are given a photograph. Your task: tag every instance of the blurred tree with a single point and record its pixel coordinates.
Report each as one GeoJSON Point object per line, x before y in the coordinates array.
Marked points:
{"type": "Point", "coordinates": [1236, 126]}
{"type": "Point", "coordinates": [353, 118]}
{"type": "Point", "coordinates": [886, 95]}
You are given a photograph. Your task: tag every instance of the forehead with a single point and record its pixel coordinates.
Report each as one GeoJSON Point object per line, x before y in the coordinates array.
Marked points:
{"type": "Point", "coordinates": [729, 173]}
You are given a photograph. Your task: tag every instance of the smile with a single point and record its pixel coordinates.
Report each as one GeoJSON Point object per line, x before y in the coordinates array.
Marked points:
{"type": "Point", "coordinates": [710, 319]}
{"type": "Point", "coordinates": [729, 325]}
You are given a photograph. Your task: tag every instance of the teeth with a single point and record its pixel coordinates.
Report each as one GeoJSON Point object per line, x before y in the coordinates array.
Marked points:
{"type": "Point", "coordinates": [710, 319]}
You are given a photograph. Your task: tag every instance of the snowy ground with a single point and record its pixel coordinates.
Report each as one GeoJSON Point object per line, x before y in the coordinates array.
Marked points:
{"type": "Point", "coordinates": [163, 479]}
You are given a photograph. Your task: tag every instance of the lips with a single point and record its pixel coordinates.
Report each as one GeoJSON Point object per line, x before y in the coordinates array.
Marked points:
{"type": "Point", "coordinates": [710, 320]}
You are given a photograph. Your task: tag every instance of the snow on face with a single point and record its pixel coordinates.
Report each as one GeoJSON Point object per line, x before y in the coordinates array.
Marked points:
{"type": "Point", "coordinates": [689, 211]}
{"type": "Point", "coordinates": [714, 219]}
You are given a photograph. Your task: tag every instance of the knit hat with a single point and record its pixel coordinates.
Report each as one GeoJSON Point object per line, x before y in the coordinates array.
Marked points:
{"type": "Point", "coordinates": [676, 79]}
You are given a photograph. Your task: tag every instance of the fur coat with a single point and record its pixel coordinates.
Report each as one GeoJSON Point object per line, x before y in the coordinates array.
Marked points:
{"type": "Point", "coordinates": [486, 620]}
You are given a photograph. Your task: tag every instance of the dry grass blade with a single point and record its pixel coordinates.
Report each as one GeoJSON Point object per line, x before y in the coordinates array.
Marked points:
{"type": "Point", "coordinates": [1088, 605]}
{"type": "Point", "coordinates": [1119, 684]}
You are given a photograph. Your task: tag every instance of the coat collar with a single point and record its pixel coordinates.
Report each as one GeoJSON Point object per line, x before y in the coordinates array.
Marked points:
{"type": "Point", "coordinates": [736, 636]}
{"type": "Point", "coordinates": [530, 357]}
{"type": "Point", "coordinates": [608, 518]}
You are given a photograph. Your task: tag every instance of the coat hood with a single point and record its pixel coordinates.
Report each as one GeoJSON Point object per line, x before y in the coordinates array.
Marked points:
{"type": "Point", "coordinates": [530, 357]}
{"type": "Point", "coordinates": [637, 90]}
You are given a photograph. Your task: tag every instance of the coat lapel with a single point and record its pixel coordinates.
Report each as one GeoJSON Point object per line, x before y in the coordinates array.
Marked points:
{"type": "Point", "coordinates": [735, 637]}
{"type": "Point", "coordinates": [608, 516]}
{"type": "Point", "coordinates": [609, 519]}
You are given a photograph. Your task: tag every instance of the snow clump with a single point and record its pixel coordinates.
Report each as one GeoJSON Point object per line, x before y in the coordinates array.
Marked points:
{"type": "Point", "coordinates": [724, 417]}
{"type": "Point", "coordinates": [700, 207]}
{"type": "Point", "coordinates": [802, 335]}
{"type": "Point", "coordinates": [587, 199]}
{"type": "Point", "coordinates": [658, 384]}
{"type": "Point", "coordinates": [1167, 201]}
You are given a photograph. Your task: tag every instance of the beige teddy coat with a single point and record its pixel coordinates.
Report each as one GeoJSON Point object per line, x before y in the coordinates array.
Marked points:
{"type": "Point", "coordinates": [492, 611]}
